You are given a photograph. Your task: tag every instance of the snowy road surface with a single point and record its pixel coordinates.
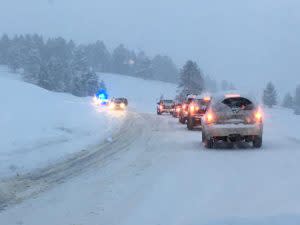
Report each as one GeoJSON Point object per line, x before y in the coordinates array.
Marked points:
{"type": "Point", "coordinates": [156, 172]}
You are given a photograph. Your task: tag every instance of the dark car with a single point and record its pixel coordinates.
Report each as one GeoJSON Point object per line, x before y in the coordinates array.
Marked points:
{"type": "Point", "coordinates": [164, 106]}
{"type": "Point", "coordinates": [118, 104]}
{"type": "Point", "coordinates": [196, 110]}
{"type": "Point", "coordinates": [176, 110]}
{"type": "Point", "coordinates": [183, 114]}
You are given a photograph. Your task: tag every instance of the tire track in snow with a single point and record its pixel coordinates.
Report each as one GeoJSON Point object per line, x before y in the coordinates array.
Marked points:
{"type": "Point", "coordinates": [17, 189]}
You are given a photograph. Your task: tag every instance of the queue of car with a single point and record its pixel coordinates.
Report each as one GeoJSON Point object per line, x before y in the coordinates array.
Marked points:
{"type": "Point", "coordinates": [222, 118]}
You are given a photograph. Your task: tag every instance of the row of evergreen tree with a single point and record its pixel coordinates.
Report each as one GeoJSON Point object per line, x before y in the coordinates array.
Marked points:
{"type": "Point", "coordinates": [60, 65]}
{"type": "Point", "coordinates": [270, 98]}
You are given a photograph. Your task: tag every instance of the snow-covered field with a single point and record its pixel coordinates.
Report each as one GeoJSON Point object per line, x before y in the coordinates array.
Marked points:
{"type": "Point", "coordinates": [161, 174]}
{"type": "Point", "coordinates": [39, 127]}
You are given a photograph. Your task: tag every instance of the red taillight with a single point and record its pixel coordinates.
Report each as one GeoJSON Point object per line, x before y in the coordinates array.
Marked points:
{"type": "Point", "coordinates": [161, 107]}
{"type": "Point", "coordinates": [210, 117]}
{"type": "Point", "coordinates": [192, 108]}
{"type": "Point", "coordinates": [258, 116]}
{"type": "Point", "coordinates": [184, 106]}
{"type": "Point", "coordinates": [178, 109]}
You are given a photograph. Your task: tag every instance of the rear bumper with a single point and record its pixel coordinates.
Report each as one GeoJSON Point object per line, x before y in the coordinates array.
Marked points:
{"type": "Point", "coordinates": [196, 119]}
{"type": "Point", "coordinates": [225, 130]}
{"type": "Point", "coordinates": [165, 110]}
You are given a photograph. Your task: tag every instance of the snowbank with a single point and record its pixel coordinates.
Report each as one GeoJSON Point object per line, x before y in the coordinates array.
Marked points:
{"type": "Point", "coordinates": [39, 126]}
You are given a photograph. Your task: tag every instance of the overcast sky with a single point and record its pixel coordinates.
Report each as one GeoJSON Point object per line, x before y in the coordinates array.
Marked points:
{"type": "Point", "coordinates": [246, 41]}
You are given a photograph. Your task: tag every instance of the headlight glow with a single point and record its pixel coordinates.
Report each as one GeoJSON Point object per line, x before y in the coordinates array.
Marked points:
{"type": "Point", "coordinates": [112, 105]}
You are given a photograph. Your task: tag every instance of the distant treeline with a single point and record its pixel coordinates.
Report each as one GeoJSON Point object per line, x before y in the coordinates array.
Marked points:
{"type": "Point", "coordinates": [60, 65]}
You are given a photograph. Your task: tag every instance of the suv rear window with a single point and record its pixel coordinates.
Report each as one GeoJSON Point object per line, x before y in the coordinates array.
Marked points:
{"type": "Point", "coordinates": [238, 103]}
{"type": "Point", "coordinates": [167, 101]}
{"type": "Point", "coordinates": [202, 102]}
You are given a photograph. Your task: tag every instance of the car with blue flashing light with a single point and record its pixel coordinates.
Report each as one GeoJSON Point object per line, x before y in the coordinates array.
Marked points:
{"type": "Point", "coordinates": [101, 98]}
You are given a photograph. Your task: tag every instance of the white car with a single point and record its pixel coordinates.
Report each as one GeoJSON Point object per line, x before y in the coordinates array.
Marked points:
{"type": "Point", "coordinates": [232, 118]}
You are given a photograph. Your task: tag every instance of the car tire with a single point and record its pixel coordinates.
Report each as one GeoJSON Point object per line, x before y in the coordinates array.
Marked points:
{"type": "Point", "coordinates": [190, 124]}
{"type": "Point", "coordinates": [158, 113]}
{"type": "Point", "coordinates": [203, 137]}
{"type": "Point", "coordinates": [181, 120]}
{"type": "Point", "coordinates": [257, 142]}
{"type": "Point", "coordinates": [208, 143]}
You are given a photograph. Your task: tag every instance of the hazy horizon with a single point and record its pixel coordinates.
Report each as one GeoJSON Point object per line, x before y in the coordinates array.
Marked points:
{"type": "Point", "coordinates": [247, 42]}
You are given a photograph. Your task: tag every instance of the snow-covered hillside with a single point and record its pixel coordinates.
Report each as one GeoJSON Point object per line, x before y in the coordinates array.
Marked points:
{"type": "Point", "coordinates": [142, 94]}
{"type": "Point", "coordinates": [39, 127]}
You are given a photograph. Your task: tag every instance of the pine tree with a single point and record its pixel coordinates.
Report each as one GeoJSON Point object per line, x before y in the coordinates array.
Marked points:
{"type": "Point", "coordinates": [164, 69]}
{"type": "Point", "coordinates": [122, 60]}
{"type": "Point", "coordinates": [143, 66]}
{"type": "Point", "coordinates": [98, 56]}
{"type": "Point", "coordinates": [102, 86]}
{"type": "Point", "coordinates": [92, 83]}
{"type": "Point", "coordinates": [85, 83]}
{"type": "Point", "coordinates": [80, 61]}
{"type": "Point", "coordinates": [32, 66]}
{"type": "Point", "coordinates": [297, 100]}
{"type": "Point", "coordinates": [288, 101]}
{"type": "Point", "coordinates": [270, 95]}
{"type": "Point", "coordinates": [191, 79]}
{"type": "Point", "coordinates": [4, 46]}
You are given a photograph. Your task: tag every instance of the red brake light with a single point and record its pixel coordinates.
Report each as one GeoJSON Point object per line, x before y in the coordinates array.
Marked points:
{"type": "Point", "coordinates": [210, 117]}
{"type": "Point", "coordinates": [192, 108]}
{"type": "Point", "coordinates": [258, 116]}
{"type": "Point", "coordinates": [206, 99]}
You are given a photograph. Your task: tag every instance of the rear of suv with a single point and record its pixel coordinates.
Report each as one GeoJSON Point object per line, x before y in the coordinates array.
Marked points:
{"type": "Point", "coordinates": [232, 118]}
{"type": "Point", "coordinates": [196, 110]}
{"type": "Point", "coordinates": [164, 106]}
{"type": "Point", "coordinates": [183, 114]}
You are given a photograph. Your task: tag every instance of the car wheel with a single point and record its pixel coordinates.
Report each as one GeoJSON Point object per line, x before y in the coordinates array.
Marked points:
{"type": "Point", "coordinates": [190, 124]}
{"type": "Point", "coordinates": [203, 137]}
{"type": "Point", "coordinates": [208, 143]}
{"type": "Point", "coordinates": [158, 113]}
{"type": "Point", "coordinates": [257, 142]}
{"type": "Point", "coordinates": [181, 120]}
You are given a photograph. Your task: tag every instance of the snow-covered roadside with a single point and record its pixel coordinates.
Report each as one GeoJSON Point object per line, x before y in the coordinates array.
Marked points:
{"type": "Point", "coordinates": [166, 179]}
{"type": "Point", "coordinates": [39, 127]}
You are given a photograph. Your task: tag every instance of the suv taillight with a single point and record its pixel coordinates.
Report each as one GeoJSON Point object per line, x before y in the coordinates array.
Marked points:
{"type": "Point", "coordinates": [210, 117]}
{"type": "Point", "coordinates": [258, 117]}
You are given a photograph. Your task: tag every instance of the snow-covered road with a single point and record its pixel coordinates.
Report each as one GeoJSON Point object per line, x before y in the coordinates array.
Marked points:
{"type": "Point", "coordinates": [156, 172]}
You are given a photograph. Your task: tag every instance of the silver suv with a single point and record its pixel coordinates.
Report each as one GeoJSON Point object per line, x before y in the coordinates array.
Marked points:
{"type": "Point", "coordinates": [232, 118]}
